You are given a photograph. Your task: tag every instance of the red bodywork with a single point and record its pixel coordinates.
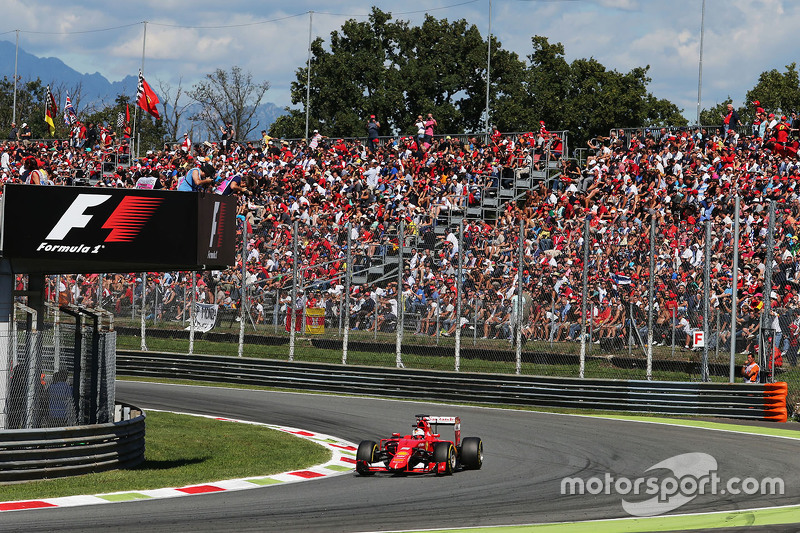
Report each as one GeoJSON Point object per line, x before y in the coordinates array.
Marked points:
{"type": "Point", "coordinates": [414, 453]}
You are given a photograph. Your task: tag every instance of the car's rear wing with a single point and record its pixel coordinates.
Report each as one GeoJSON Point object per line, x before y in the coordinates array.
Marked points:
{"type": "Point", "coordinates": [435, 421]}
{"type": "Point", "coordinates": [445, 420]}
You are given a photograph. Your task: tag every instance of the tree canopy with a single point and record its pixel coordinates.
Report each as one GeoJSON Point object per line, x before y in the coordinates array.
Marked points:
{"type": "Point", "coordinates": [397, 71]}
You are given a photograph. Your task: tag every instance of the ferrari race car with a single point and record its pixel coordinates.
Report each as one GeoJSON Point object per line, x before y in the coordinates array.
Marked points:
{"type": "Point", "coordinates": [422, 451]}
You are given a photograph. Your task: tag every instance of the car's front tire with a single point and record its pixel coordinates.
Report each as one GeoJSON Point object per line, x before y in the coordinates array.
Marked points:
{"type": "Point", "coordinates": [444, 452]}
{"type": "Point", "coordinates": [365, 456]}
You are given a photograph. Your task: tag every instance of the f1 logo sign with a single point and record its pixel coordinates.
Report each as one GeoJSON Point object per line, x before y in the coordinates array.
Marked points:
{"type": "Point", "coordinates": [74, 216]}
{"type": "Point", "coordinates": [699, 339]}
{"type": "Point", "coordinates": [125, 222]}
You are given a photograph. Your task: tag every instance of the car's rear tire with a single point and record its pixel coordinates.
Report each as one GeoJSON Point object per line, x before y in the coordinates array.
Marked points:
{"type": "Point", "coordinates": [367, 450]}
{"type": "Point", "coordinates": [444, 452]}
{"type": "Point", "coordinates": [472, 453]}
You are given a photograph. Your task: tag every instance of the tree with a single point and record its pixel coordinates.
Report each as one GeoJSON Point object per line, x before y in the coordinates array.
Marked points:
{"type": "Point", "coordinates": [172, 108]}
{"type": "Point", "coordinates": [588, 99]}
{"type": "Point", "coordinates": [547, 81]}
{"type": "Point", "coordinates": [777, 92]}
{"type": "Point", "coordinates": [396, 71]}
{"type": "Point", "coordinates": [228, 96]}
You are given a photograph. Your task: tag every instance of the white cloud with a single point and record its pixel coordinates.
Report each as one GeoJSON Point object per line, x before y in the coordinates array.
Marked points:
{"type": "Point", "coordinates": [742, 37]}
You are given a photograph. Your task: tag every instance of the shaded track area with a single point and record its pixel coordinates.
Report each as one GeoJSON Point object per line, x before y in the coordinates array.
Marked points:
{"type": "Point", "coordinates": [526, 456]}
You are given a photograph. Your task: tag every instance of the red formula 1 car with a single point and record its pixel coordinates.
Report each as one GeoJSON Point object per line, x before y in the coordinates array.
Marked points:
{"type": "Point", "coordinates": [422, 451]}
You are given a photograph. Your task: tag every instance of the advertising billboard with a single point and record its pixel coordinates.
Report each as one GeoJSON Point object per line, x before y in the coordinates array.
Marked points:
{"type": "Point", "coordinates": [93, 229]}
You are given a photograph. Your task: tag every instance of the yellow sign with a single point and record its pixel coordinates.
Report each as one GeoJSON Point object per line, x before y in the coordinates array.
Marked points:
{"type": "Point", "coordinates": [315, 321]}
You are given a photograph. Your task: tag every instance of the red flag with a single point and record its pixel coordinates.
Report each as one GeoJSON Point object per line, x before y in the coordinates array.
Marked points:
{"type": "Point", "coordinates": [127, 130]}
{"type": "Point", "coordinates": [146, 98]}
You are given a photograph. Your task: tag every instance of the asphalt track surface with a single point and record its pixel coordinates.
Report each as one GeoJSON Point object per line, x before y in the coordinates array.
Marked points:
{"type": "Point", "coordinates": [526, 456]}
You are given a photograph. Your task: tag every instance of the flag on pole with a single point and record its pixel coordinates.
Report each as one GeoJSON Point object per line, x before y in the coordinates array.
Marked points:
{"type": "Point", "coordinates": [120, 120]}
{"type": "Point", "coordinates": [127, 130]}
{"type": "Point", "coordinates": [70, 116]}
{"type": "Point", "coordinates": [50, 110]}
{"type": "Point", "coordinates": [146, 98]}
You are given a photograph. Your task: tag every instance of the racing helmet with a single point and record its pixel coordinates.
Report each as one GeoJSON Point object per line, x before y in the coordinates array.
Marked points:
{"type": "Point", "coordinates": [418, 433]}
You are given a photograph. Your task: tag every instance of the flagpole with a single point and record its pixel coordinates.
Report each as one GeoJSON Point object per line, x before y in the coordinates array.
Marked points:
{"type": "Point", "coordinates": [16, 54]}
{"type": "Point", "coordinates": [136, 107]}
{"type": "Point", "coordinates": [308, 71]}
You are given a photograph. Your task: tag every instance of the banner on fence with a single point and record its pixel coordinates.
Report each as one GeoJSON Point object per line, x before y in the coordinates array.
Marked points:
{"type": "Point", "coordinates": [314, 323]}
{"type": "Point", "coordinates": [205, 316]}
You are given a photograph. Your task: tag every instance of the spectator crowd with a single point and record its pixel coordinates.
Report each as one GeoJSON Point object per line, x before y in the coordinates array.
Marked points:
{"type": "Point", "coordinates": [681, 177]}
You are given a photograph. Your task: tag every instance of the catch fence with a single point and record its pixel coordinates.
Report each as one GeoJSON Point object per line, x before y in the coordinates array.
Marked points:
{"type": "Point", "coordinates": [611, 298]}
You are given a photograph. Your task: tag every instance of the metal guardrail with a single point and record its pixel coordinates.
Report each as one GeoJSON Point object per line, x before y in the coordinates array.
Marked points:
{"type": "Point", "coordinates": [28, 454]}
{"type": "Point", "coordinates": [743, 401]}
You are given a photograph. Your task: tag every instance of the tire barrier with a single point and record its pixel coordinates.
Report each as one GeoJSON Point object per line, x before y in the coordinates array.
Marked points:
{"type": "Point", "coordinates": [775, 395]}
{"type": "Point", "coordinates": [29, 454]}
{"type": "Point", "coordinates": [739, 400]}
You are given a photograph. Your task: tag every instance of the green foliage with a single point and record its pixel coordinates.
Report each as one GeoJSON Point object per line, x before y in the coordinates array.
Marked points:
{"type": "Point", "coordinates": [778, 92]}
{"type": "Point", "coordinates": [397, 71]}
{"type": "Point", "coordinates": [30, 107]}
{"type": "Point", "coordinates": [586, 98]}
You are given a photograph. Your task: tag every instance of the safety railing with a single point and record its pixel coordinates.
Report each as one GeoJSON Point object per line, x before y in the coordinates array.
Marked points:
{"type": "Point", "coordinates": [28, 454]}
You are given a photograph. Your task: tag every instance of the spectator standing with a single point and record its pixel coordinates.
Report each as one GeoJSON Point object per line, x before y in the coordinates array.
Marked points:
{"type": "Point", "coordinates": [25, 132]}
{"type": "Point", "coordinates": [372, 131]}
{"type": "Point", "coordinates": [420, 124]}
{"type": "Point", "coordinates": [186, 145]}
{"type": "Point", "coordinates": [730, 119]}
{"type": "Point", "coordinates": [228, 134]}
{"type": "Point", "coordinates": [430, 124]}
{"type": "Point", "coordinates": [61, 410]}
{"type": "Point", "coordinates": [13, 134]}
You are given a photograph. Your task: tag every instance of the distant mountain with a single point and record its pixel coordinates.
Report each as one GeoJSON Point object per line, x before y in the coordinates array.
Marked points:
{"type": "Point", "coordinates": [96, 89]}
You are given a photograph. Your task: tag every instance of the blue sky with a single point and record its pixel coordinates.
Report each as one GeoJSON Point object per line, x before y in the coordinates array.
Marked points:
{"type": "Point", "coordinates": [742, 37]}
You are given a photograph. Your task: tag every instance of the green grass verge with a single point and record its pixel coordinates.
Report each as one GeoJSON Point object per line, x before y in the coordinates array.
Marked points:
{"type": "Point", "coordinates": [184, 450]}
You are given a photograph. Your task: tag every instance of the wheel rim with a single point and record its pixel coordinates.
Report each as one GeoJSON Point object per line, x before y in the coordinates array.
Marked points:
{"type": "Point", "coordinates": [452, 458]}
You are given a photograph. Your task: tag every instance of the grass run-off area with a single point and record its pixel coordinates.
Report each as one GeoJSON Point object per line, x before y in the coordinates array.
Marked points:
{"type": "Point", "coordinates": [184, 450]}
{"type": "Point", "coordinates": [496, 358]}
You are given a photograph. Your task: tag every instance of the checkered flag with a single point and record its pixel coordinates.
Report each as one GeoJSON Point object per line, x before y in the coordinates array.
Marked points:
{"type": "Point", "coordinates": [120, 120]}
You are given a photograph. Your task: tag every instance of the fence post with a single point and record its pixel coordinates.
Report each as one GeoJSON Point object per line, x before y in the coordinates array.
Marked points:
{"type": "Point", "coordinates": [276, 311]}
{"type": "Point", "coordinates": [768, 352]}
{"type": "Point", "coordinates": [399, 338]}
{"type": "Point", "coordinates": [31, 368]}
{"type": "Point", "coordinates": [520, 307]}
{"type": "Point", "coordinates": [100, 278]}
{"type": "Point", "coordinates": [56, 328]}
{"type": "Point", "coordinates": [630, 329]}
{"type": "Point", "coordinates": [192, 302]}
{"type": "Point", "coordinates": [293, 306]}
{"type": "Point", "coordinates": [584, 294]}
{"type": "Point", "coordinates": [651, 296]}
{"type": "Point", "coordinates": [346, 310]}
{"type": "Point", "coordinates": [144, 310]}
{"type": "Point", "coordinates": [706, 296]}
{"type": "Point", "coordinates": [243, 287]}
{"type": "Point", "coordinates": [734, 287]}
{"type": "Point", "coordinates": [459, 287]}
